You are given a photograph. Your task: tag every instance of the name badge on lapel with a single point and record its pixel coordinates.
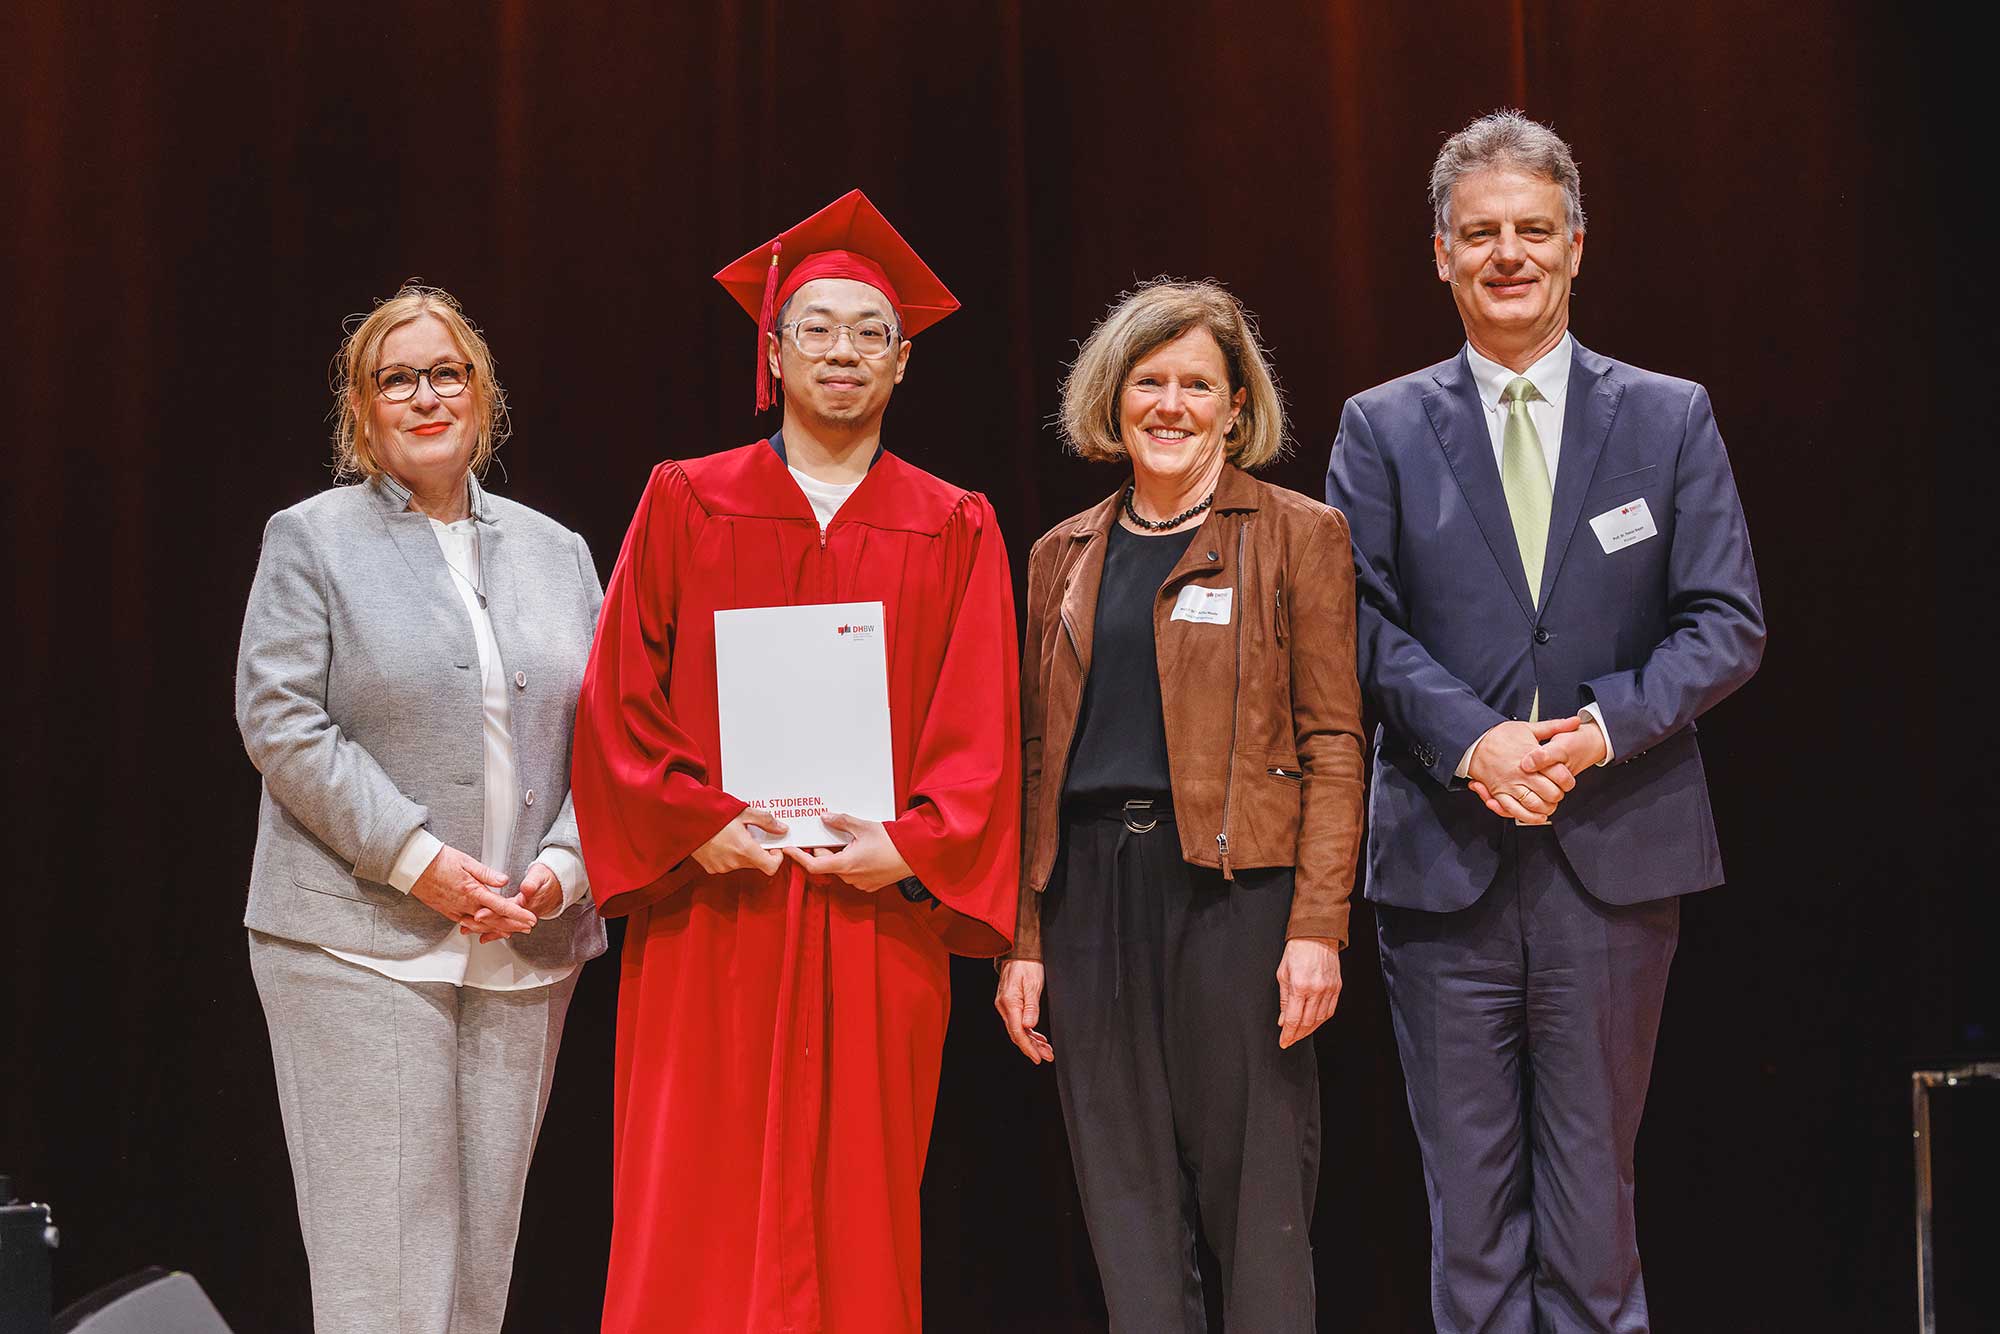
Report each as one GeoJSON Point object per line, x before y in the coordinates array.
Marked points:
{"type": "Point", "coordinates": [1203, 606]}
{"type": "Point", "coordinates": [1620, 528]}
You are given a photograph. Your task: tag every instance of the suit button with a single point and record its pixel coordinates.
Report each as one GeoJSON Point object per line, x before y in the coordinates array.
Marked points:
{"type": "Point", "coordinates": [528, 798]}
{"type": "Point", "coordinates": [1542, 636]}
{"type": "Point", "coordinates": [1425, 755]}
{"type": "Point", "coordinates": [520, 680]}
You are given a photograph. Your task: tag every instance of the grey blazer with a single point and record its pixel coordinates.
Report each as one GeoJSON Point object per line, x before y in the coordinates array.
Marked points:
{"type": "Point", "coordinates": [358, 696]}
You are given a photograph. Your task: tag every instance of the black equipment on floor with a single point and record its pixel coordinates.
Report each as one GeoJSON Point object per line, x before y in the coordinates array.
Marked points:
{"type": "Point", "coordinates": [152, 1301]}
{"type": "Point", "coordinates": [27, 1235]}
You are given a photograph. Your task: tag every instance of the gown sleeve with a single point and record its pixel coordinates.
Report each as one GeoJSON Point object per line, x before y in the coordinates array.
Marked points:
{"type": "Point", "coordinates": [640, 782]}
{"type": "Point", "coordinates": [961, 831]}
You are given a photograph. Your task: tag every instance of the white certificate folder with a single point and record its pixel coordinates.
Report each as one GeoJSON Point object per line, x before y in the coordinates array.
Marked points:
{"type": "Point", "coordinates": [803, 695]}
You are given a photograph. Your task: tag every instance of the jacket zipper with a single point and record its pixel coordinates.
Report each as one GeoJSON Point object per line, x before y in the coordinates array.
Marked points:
{"type": "Point", "coordinates": [1061, 772]}
{"type": "Point", "coordinates": [1279, 771]}
{"type": "Point", "coordinates": [1235, 709]}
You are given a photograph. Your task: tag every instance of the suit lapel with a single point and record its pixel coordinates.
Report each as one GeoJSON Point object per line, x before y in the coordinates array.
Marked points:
{"type": "Point", "coordinates": [1594, 394]}
{"type": "Point", "coordinates": [411, 532]}
{"type": "Point", "coordinates": [1083, 573]}
{"type": "Point", "coordinates": [1460, 423]}
{"type": "Point", "coordinates": [1217, 549]}
{"type": "Point", "coordinates": [497, 581]}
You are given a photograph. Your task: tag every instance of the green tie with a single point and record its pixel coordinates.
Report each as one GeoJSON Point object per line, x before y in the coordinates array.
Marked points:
{"type": "Point", "coordinates": [1524, 477]}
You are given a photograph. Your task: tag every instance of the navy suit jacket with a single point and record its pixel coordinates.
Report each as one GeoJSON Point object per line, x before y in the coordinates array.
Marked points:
{"type": "Point", "coordinates": [1656, 632]}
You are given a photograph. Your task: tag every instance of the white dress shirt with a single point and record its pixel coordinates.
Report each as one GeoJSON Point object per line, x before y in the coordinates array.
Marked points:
{"type": "Point", "coordinates": [1550, 376]}
{"type": "Point", "coordinates": [462, 959]}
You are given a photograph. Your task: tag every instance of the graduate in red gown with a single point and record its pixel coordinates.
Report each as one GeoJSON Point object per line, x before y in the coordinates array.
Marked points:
{"type": "Point", "coordinates": [781, 1016]}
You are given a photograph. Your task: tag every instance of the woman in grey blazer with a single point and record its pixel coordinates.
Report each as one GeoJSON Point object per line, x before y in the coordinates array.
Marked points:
{"type": "Point", "coordinates": [418, 902]}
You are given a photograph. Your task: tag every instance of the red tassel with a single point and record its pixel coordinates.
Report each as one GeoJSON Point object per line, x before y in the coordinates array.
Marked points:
{"type": "Point", "coordinates": [765, 396]}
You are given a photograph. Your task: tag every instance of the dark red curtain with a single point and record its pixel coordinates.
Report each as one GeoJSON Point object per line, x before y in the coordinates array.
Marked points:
{"type": "Point", "coordinates": [196, 195]}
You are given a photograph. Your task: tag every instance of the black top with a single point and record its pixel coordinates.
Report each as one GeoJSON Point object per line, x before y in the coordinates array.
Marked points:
{"type": "Point", "coordinates": [1121, 734]}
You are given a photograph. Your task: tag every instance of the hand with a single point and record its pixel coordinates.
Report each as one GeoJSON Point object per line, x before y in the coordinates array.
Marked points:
{"type": "Point", "coordinates": [462, 889]}
{"type": "Point", "coordinates": [1569, 753]}
{"type": "Point", "coordinates": [1508, 789]}
{"type": "Point", "coordinates": [735, 848]}
{"type": "Point", "coordinates": [1019, 1000]}
{"type": "Point", "coordinates": [1308, 987]}
{"type": "Point", "coordinates": [868, 861]}
{"type": "Point", "coordinates": [541, 890]}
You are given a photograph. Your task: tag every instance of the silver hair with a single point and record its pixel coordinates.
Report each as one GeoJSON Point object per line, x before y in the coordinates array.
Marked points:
{"type": "Point", "coordinates": [1505, 138]}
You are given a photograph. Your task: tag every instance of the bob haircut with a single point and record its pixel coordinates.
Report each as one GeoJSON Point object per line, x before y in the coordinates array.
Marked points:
{"type": "Point", "coordinates": [354, 367]}
{"type": "Point", "coordinates": [1145, 318]}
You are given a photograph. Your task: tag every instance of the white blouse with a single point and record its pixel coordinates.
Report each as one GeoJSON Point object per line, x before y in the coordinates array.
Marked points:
{"type": "Point", "coordinates": [462, 959]}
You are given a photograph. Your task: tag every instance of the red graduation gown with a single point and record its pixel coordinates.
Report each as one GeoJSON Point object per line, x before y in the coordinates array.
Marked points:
{"type": "Point", "coordinates": [779, 1038]}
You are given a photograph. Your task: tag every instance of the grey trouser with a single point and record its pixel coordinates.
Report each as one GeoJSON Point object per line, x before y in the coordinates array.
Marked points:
{"type": "Point", "coordinates": [1181, 1110]}
{"type": "Point", "coordinates": [411, 1111]}
{"type": "Point", "coordinates": [1526, 1024]}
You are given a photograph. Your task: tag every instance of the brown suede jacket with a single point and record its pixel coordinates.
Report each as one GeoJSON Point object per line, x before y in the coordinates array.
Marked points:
{"type": "Point", "coordinates": [1263, 714]}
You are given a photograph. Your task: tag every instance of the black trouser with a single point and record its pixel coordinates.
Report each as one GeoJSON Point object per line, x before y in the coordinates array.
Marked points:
{"type": "Point", "coordinates": [1162, 1003]}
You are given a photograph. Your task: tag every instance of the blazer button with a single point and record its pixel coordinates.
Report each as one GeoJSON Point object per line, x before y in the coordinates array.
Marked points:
{"type": "Point", "coordinates": [528, 798]}
{"type": "Point", "coordinates": [1542, 636]}
{"type": "Point", "coordinates": [520, 680]}
{"type": "Point", "coordinates": [1215, 555]}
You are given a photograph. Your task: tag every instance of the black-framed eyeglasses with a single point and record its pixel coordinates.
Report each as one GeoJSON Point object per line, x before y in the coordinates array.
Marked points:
{"type": "Point", "coordinates": [815, 337]}
{"type": "Point", "coordinates": [399, 383]}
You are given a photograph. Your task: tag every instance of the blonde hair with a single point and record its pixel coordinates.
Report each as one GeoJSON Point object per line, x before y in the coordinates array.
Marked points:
{"type": "Point", "coordinates": [354, 368]}
{"type": "Point", "coordinates": [1147, 317]}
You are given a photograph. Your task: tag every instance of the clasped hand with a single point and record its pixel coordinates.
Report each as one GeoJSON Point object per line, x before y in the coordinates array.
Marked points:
{"type": "Point", "coordinates": [1522, 771]}
{"type": "Point", "coordinates": [464, 890]}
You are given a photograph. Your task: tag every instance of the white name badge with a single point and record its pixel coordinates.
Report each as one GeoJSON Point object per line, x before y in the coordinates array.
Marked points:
{"type": "Point", "coordinates": [1620, 528]}
{"type": "Point", "coordinates": [1203, 606]}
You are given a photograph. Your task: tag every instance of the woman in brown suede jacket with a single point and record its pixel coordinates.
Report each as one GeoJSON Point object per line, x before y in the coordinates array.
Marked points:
{"type": "Point", "coordinates": [1192, 770]}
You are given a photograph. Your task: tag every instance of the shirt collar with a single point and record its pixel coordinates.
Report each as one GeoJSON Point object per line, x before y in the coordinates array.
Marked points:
{"type": "Point", "coordinates": [776, 440]}
{"type": "Point", "coordinates": [395, 497]}
{"type": "Point", "coordinates": [1550, 375]}
{"type": "Point", "coordinates": [813, 486]}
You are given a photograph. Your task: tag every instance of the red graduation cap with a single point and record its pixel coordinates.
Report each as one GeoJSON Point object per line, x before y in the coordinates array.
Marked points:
{"type": "Point", "coordinates": [849, 238]}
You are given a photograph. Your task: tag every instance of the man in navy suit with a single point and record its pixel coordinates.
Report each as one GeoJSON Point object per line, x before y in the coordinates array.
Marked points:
{"type": "Point", "coordinates": [1555, 582]}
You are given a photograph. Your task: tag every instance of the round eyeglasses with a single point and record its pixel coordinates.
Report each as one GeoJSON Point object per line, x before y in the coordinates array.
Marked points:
{"type": "Point", "coordinates": [815, 337]}
{"type": "Point", "coordinates": [399, 383]}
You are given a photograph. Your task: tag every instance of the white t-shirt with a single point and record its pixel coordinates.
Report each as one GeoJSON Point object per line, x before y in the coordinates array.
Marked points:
{"type": "Point", "coordinates": [826, 497]}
